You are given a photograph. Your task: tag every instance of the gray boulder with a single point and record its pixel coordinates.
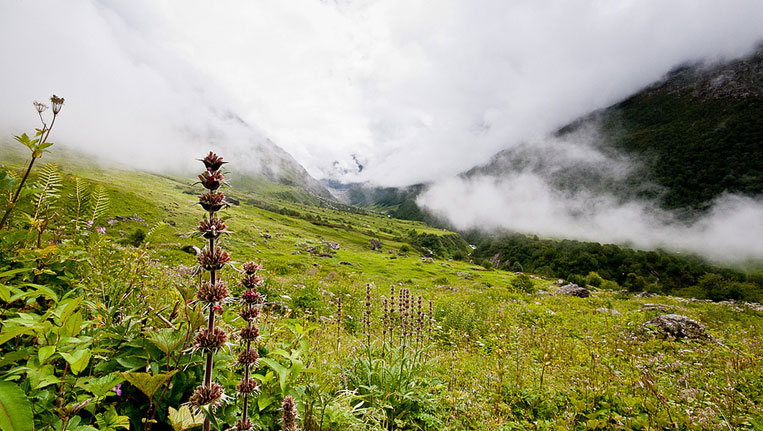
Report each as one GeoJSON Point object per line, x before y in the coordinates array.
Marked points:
{"type": "Point", "coordinates": [573, 289]}
{"type": "Point", "coordinates": [678, 326]}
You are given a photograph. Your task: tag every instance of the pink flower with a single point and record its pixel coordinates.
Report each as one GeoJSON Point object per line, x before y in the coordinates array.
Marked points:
{"type": "Point", "coordinates": [89, 224]}
{"type": "Point", "coordinates": [117, 390]}
{"type": "Point", "coordinates": [101, 230]}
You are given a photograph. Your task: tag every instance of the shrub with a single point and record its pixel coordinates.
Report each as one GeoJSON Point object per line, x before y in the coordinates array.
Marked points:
{"type": "Point", "coordinates": [523, 283]}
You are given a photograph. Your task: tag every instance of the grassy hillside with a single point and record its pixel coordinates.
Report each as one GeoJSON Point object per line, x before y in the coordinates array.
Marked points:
{"type": "Point", "coordinates": [89, 319]}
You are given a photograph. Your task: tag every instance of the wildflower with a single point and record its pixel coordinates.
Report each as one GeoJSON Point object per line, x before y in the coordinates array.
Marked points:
{"type": "Point", "coordinates": [251, 281]}
{"type": "Point", "coordinates": [117, 389]}
{"type": "Point", "coordinates": [212, 260]}
{"type": "Point", "coordinates": [89, 224]}
{"type": "Point", "coordinates": [248, 357]}
{"type": "Point", "coordinates": [249, 313]}
{"type": "Point", "coordinates": [211, 228]}
{"type": "Point", "coordinates": [244, 424]}
{"type": "Point", "coordinates": [210, 341]}
{"type": "Point", "coordinates": [212, 293]}
{"type": "Point", "coordinates": [211, 180]}
{"type": "Point", "coordinates": [101, 230]}
{"type": "Point", "coordinates": [250, 333]}
{"type": "Point", "coordinates": [247, 386]}
{"type": "Point", "coordinates": [212, 201]}
{"type": "Point", "coordinates": [207, 395]}
{"type": "Point", "coordinates": [251, 268]}
{"type": "Point", "coordinates": [251, 297]}
{"type": "Point", "coordinates": [212, 161]}
{"type": "Point", "coordinates": [289, 414]}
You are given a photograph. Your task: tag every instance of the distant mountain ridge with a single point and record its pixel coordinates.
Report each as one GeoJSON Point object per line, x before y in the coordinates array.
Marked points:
{"type": "Point", "coordinates": [696, 134]}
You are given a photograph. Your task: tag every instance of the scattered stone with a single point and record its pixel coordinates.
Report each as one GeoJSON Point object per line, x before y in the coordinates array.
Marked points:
{"type": "Point", "coordinates": [190, 249]}
{"type": "Point", "coordinates": [559, 282]}
{"type": "Point", "coordinates": [181, 235]}
{"type": "Point", "coordinates": [678, 326]}
{"type": "Point", "coordinates": [644, 295]}
{"type": "Point", "coordinates": [401, 254]}
{"type": "Point", "coordinates": [428, 252]}
{"type": "Point", "coordinates": [346, 263]}
{"type": "Point", "coordinates": [311, 249]}
{"type": "Point", "coordinates": [427, 260]}
{"type": "Point", "coordinates": [332, 245]}
{"type": "Point", "coordinates": [573, 289]}
{"type": "Point", "coordinates": [232, 201]}
{"type": "Point", "coordinates": [331, 275]}
{"type": "Point", "coordinates": [375, 244]}
{"type": "Point", "coordinates": [654, 307]}
{"type": "Point", "coordinates": [608, 311]}
{"type": "Point", "coordinates": [266, 236]}
{"type": "Point", "coordinates": [170, 222]}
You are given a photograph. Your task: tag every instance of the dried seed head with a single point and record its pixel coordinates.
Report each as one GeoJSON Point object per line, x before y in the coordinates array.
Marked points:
{"type": "Point", "coordinates": [57, 103]}
{"type": "Point", "coordinates": [212, 293]}
{"type": "Point", "coordinates": [211, 228]}
{"type": "Point", "coordinates": [213, 260]}
{"type": "Point", "coordinates": [290, 416]}
{"type": "Point", "coordinates": [212, 201]}
{"type": "Point", "coordinates": [251, 268]}
{"type": "Point", "coordinates": [249, 312]}
{"type": "Point", "coordinates": [210, 341]}
{"type": "Point", "coordinates": [40, 107]}
{"type": "Point", "coordinates": [243, 424]}
{"type": "Point", "coordinates": [207, 395]}
{"type": "Point", "coordinates": [248, 357]}
{"type": "Point", "coordinates": [247, 386]}
{"type": "Point", "coordinates": [250, 333]}
{"type": "Point", "coordinates": [211, 180]}
{"type": "Point", "coordinates": [251, 297]}
{"type": "Point", "coordinates": [212, 161]}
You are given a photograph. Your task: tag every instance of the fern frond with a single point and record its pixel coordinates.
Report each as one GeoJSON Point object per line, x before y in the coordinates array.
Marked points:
{"type": "Point", "coordinates": [48, 186]}
{"type": "Point", "coordinates": [98, 203]}
{"type": "Point", "coordinates": [76, 201]}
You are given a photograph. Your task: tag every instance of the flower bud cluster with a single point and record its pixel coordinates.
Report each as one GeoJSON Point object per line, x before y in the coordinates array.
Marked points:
{"type": "Point", "coordinates": [251, 304]}
{"type": "Point", "coordinates": [212, 293]}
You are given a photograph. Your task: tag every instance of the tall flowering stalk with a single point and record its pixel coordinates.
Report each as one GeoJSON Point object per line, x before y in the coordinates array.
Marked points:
{"type": "Point", "coordinates": [212, 293]}
{"type": "Point", "coordinates": [251, 304]}
{"type": "Point", "coordinates": [37, 146]}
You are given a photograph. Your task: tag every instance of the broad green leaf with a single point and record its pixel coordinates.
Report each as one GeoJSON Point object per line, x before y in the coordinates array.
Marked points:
{"type": "Point", "coordinates": [147, 383]}
{"type": "Point", "coordinates": [283, 372]}
{"type": "Point", "coordinates": [14, 271]}
{"type": "Point", "coordinates": [132, 363]}
{"type": "Point", "coordinates": [110, 420]}
{"type": "Point", "coordinates": [167, 340]}
{"type": "Point", "coordinates": [67, 308]}
{"type": "Point", "coordinates": [73, 325]}
{"type": "Point", "coordinates": [78, 359]}
{"type": "Point", "coordinates": [5, 293]}
{"type": "Point", "coordinates": [99, 386]}
{"type": "Point", "coordinates": [13, 332]}
{"type": "Point", "coordinates": [45, 352]}
{"type": "Point", "coordinates": [15, 408]}
{"type": "Point", "coordinates": [263, 401]}
{"type": "Point", "coordinates": [183, 418]}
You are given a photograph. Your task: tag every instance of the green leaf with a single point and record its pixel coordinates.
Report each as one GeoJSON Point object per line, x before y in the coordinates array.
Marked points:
{"type": "Point", "coordinates": [283, 372]}
{"type": "Point", "coordinates": [183, 418]}
{"type": "Point", "coordinates": [45, 352]}
{"type": "Point", "coordinates": [78, 359]}
{"type": "Point", "coordinates": [167, 340]}
{"type": "Point", "coordinates": [147, 383]}
{"type": "Point", "coordinates": [263, 401]}
{"type": "Point", "coordinates": [110, 420]}
{"type": "Point", "coordinates": [100, 386]}
{"type": "Point", "coordinates": [5, 293]}
{"type": "Point", "coordinates": [15, 408]}
{"type": "Point", "coordinates": [13, 332]}
{"type": "Point", "coordinates": [24, 139]}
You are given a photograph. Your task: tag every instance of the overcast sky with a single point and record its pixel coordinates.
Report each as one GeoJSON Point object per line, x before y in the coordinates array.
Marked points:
{"type": "Point", "coordinates": [415, 91]}
{"type": "Point", "coordinates": [418, 90]}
